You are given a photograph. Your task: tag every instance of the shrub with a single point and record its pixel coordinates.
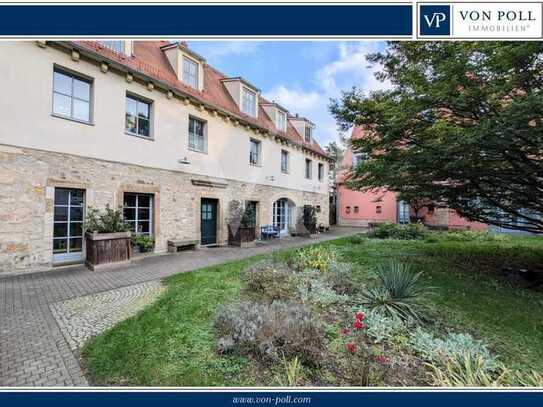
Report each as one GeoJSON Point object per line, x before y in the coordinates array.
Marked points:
{"type": "Point", "coordinates": [106, 221]}
{"type": "Point", "coordinates": [315, 258]}
{"type": "Point", "coordinates": [526, 379]}
{"type": "Point", "coordinates": [340, 277]}
{"type": "Point", "coordinates": [316, 292]}
{"type": "Point", "coordinates": [453, 346]}
{"type": "Point", "coordinates": [473, 235]}
{"type": "Point", "coordinates": [384, 329]}
{"type": "Point", "coordinates": [270, 331]}
{"type": "Point", "coordinates": [144, 242]}
{"type": "Point", "coordinates": [270, 280]}
{"type": "Point", "coordinates": [363, 365]}
{"type": "Point", "coordinates": [466, 370]}
{"type": "Point", "coordinates": [393, 231]}
{"type": "Point", "coordinates": [357, 239]}
{"type": "Point", "coordinates": [398, 293]}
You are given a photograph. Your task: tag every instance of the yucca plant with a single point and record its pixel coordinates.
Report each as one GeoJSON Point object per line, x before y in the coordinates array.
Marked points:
{"type": "Point", "coordinates": [398, 294]}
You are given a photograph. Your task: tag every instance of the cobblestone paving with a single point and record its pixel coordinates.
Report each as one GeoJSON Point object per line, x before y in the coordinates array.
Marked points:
{"type": "Point", "coordinates": [81, 318]}
{"type": "Point", "coordinates": [33, 350]}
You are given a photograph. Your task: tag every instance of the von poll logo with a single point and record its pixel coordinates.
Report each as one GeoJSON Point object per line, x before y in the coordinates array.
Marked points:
{"type": "Point", "coordinates": [481, 20]}
{"type": "Point", "coordinates": [435, 20]}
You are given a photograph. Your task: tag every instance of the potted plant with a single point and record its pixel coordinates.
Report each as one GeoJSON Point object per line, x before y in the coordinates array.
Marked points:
{"type": "Point", "coordinates": [107, 239]}
{"type": "Point", "coordinates": [241, 224]}
{"type": "Point", "coordinates": [144, 243]}
{"type": "Point", "coordinates": [307, 222]}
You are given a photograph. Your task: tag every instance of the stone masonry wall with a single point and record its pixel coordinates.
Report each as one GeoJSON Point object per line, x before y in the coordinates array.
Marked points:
{"type": "Point", "coordinates": [28, 178]}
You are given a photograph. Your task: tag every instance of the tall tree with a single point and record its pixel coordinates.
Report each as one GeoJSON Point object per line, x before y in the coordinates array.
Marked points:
{"type": "Point", "coordinates": [461, 125]}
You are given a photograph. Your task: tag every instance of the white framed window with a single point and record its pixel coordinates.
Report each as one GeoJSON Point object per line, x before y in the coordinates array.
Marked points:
{"type": "Point", "coordinates": [190, 72]}
{"type": "Point", "coordinates": [117, 46]}
{"type": "Point", "coordinates": [197, 136]}
{"type": "Point", "coordinates": [248, 102]}
{"type": "Point", "coordinates": [321, 172]}
{"type": "Point", "coordinates": [254, 153]}
{"type": "Point", "coordinates": [71, 96]}
{"type": "Point", "coordinates": [308, 134]}
{"type": "Point", "coordinates": [281, 121]}
{"type": "Point", "coordinates": [138, 116]}
{"type": "Point", "coordinates": [138, 212]}
{"type": "Point", "coordinates": [308, 168]}
{"type": "Point", "coordinates": [284, 161]}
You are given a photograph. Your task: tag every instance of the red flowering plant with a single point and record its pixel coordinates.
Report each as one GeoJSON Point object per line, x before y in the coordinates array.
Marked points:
{"type": "Point", "coordinates": [364, 364]}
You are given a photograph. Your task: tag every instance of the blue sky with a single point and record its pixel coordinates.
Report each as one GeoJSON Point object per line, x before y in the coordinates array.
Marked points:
{"type": "Point", "coordinates": [300, 75]}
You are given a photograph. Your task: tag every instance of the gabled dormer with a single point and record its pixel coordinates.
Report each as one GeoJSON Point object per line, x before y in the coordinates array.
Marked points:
{"type": "Point", "coordinates": [304, 127]}
{"type": "Point", "coordinates": [244, 94]}
{"type": "Point", "coordinates": [124, 47]}
{"type": "Point", "coordinates": [187, 64]}
{"type": "Point", "coordinates": [277, 113]}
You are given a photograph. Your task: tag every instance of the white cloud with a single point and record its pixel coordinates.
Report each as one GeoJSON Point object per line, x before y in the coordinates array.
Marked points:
{"type": "Point", "coordinates": [294, 98]}
{"type": "Point", "coordinates": [349, 69]}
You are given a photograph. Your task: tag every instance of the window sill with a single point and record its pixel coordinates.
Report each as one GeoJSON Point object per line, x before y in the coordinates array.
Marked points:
{"type": "Point", "coordinates": [59, 116]}
{"type": "Point", "coordinates": [285, 172]}
{"type": "Point", "coordinates": [139, 136]}
{"type": "Point", "coordinates": [255, 165]}
{"type": "Point", "coordinates": [197, 151]}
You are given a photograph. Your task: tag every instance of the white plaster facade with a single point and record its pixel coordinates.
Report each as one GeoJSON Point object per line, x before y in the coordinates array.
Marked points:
{"type": "Point", "coordinates": [26, 80]}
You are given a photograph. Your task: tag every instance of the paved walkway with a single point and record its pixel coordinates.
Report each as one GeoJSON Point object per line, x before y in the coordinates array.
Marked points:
{"type": "Point", "coordinates": [33, 351]}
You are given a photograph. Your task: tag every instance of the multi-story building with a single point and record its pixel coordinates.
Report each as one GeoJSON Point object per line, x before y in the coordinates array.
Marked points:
{"type": "Point", "coordinates": [149, 127]}
{"type": "Point", "coordinates": [356, 208]}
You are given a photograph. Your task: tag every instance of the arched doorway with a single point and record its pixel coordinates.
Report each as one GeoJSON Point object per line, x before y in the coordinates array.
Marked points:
{"type": "Point", "coordinates": [282, 215]}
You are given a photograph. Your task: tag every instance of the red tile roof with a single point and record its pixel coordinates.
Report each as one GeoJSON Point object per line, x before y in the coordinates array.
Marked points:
{"type": "Point", "coordinates": [150, 60]}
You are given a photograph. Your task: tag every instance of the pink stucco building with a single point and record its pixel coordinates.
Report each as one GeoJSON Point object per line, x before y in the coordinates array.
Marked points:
{"type": "Point", "coordinates": [355, 208]}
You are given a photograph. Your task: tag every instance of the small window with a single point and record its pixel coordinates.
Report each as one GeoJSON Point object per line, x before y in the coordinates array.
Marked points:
{"type": "Point", "coordinates": [308, 134]}
{"type": "Point", "coordinates": [308, 168]}
{"type": "Point", "coordinates": [254, 153]}
{"type": "Point", "coordinates": [284, 161]}
{"type": "Point", "coordinates": [321, 172]}
{"type": "Point", "coordinates": [117, 46]}
{"type": "Point", "coordinates": [358, 158]}
{"type": "Point", "coordinates": [138, 213]}
{"type": "Point", "coordinates": [138, 116]}
{"type": "Point", "coordinates": [248, 103]}
{"type": "Point", "coordinates": [318, 209]}
{"type": "Point", "coordinates": [197, 139]}
{"type": "Point", "coordinates": [348, 209]}
{"type": "Point", "coordinates": [190, 72]}
{"type": "Point", "coordinates": [71, 96]}
{"type": "Point", "coordinates": [378, 209]}
{"type": "Point", "coordinates": [356, 209]}
{"type": "Point", "coordinates": [281, 121]}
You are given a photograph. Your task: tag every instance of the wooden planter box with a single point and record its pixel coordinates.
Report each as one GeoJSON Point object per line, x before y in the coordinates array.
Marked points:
{"type": "Point", "coordinates": [106, 250]}
{"type": "Point", "coordinates": [243, 237]}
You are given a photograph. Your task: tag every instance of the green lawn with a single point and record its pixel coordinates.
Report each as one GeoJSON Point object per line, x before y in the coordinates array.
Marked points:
{"type": "Point", "coordinates": [172, 342]}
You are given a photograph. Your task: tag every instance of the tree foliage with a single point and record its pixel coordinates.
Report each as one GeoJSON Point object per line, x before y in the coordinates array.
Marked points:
{"type": "Point", "coordinates": [461, 125]}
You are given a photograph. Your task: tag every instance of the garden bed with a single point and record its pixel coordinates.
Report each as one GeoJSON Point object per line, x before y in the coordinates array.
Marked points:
{"type": "Point", "coordinates": [188, 338]}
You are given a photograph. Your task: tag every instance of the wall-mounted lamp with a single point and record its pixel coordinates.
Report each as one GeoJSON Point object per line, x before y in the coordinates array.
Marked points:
{"type": "Point", "coordinates": [270, 178]}
{"type": "Point", "coordinates": [184, 160]}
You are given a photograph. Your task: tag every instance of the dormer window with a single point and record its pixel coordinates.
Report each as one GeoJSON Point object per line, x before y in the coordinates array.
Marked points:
{"type": "Point", "coordinates": [308, 134]}
{"type": "Point", "coordinates": [248, 102]}
{"type": "Point", "coordinates": [117, 46]}
{"type": "Point", "coordinates": [281, 121]}
{"type": "Point", "coordinates": [190, 72]}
